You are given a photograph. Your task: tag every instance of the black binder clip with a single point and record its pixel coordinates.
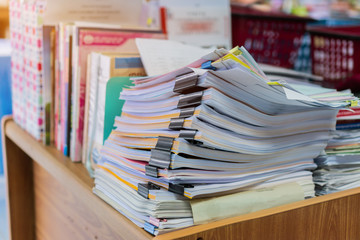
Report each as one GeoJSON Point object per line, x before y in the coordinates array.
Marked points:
{"type": "Point", "coordinates": [164, 143]}
{"type": "Point", "coordinates": [186, 112]}
{"type": "Point", "coordinates": [188, 134]}
{"type": "Point", "coordinates": [160, 156]}
{"type": "Point", "coordinates": [179, 188]}
{"type": "Point", "coordinates": [190, 100]}
{"type": "Point", "coordinates": [159, 159]}
{"type": "Point", "coordinates": [143, 188]}
{"type": "Point", "coordinates": [151, 171]}
{"type": "Point", "coordinates": [176, 123]}
{"type": "Point", "coordinates": [185, 82]}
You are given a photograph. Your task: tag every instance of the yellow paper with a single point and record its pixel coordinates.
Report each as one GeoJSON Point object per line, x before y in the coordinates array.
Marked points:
{"type": "Point", "coordinates": [215, 208]}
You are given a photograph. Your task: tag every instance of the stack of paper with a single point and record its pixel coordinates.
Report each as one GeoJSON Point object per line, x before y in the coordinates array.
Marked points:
{"type": "Point", "coordinates": [215, 128]}
{"type": "Point", "coordinates": [339, 166]}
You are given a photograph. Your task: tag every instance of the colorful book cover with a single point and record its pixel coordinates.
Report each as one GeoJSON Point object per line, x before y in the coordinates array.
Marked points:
{"type": "Point", "coordinates": [348, 113]}
{"type": "Point", "coordinates": [95, 40]}
{"type": "Point", "coordinates": [65, 72]}
{"type": "Point", "coordinates": [27, 64]}
{"type": "Point", "coordinates": [108, 66]}
{"type": "Point", "coordinates": [57, 101]}
{"type": "Point", "coordinates": [17, 69]}
{"type": "Point", "coordinates": [112, 108]}
{"type": "Point", "coordinates": [101, 67]}
{"type": "Point", "coordinates": [53, 74]}
{"type": "Point", "coordinates": [48, 80]}
{"type": "Point", "coordinates": [68, 95]}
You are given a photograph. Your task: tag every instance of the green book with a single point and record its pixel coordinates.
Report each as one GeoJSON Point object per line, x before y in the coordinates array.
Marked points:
{"type": "Point", "coordinates": [113, 105]}
{"type": "Point", "coordinates": [103, 127]}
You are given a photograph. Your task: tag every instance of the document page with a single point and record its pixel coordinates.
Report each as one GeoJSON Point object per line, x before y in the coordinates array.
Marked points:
{"type": "Point", "coordinates": [163, 56]}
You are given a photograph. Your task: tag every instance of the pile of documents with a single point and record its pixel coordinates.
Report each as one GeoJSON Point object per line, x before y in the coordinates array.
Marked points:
{"type": "Point", "coordinates": [339, 166]}
{"type": "Point", "coordinates": [217, 127]}
{"type": "Point", "coordinates": [57, 49]}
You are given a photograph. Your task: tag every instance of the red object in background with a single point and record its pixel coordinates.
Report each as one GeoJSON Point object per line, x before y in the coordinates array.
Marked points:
{"type": "Point", "coordinates": [352, 83]}
{"type": "Point", "coordinates": [272, 38]}
{"type": "Point", "coordinates": [335, 54]}
{"type": "Point", "coordinates": [163, 19]}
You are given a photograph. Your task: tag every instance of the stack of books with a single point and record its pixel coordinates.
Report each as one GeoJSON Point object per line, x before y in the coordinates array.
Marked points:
{"type": "Point", "coordinates": [50, 76]}
{"type": "Point", "coordinates": [59, 61]}
{"type": "Point", "coordinates": [339, 166]}
{"type": "Point", "coordinates": [72, 46]}
{"type": "Point", "coordinates": [214, 128]}
{"type": "Point", "coordinates": [26, 60]}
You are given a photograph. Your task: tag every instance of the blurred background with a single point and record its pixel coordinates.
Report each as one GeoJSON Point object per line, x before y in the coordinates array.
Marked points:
{"type": "Point", "coordinates": [5, 101]}
{"type": "Point", "coordinates": [320, 37]}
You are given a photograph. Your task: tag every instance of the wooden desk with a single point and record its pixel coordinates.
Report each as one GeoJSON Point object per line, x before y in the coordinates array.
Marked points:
{"type": "Point", "coordinates": [51, 198]}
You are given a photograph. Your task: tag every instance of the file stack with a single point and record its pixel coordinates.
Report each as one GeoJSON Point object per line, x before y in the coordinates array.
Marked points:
{"type": "Point", "coordinates": [215, 127]}
{"type": "Point", "coordinates": [339, 166]}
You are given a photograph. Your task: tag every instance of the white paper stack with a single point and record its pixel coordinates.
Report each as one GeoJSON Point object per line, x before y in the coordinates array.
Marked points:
{"type": "Point", "coordinates": [215, 128]}
{"type": "Point", "coordinates": [339, 165]}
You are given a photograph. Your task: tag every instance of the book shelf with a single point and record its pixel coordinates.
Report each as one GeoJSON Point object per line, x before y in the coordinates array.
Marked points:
{"type": "Point", "coordinates": [49, 197]}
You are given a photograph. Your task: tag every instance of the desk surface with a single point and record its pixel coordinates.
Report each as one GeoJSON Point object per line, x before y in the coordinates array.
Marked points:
{"type": "Point", "coordinates": [334, 216]}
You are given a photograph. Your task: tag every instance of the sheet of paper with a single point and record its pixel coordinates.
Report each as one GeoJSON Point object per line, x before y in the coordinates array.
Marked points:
{"type": "Point", "coordinates": [211, 209]}
{"type": "Point", "coordinates": [163, 56]}
{"type": "Point", "coordinates": [312, 90]}
{"type": "Point", "coordinates": [292, 95]}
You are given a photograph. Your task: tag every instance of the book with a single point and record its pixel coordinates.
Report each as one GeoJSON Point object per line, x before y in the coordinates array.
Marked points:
{"type": "Point", "coordinates": [42, 56]}
{"type": "Point", "coordinates": [27, 89]}
{"type": "Point", "coordinates": [86, 40]}
{"type": "Point", "coordinates": [104, 105]}
{"type": "Point", "coordinates": [65, 37]}
{"type": "Point", "coordinates": [48, 69]}
{"type": "Point", "coordinates": [102, 67]}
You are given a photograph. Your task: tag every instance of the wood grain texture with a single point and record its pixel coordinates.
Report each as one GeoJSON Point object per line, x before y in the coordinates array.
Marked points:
{"type": "Point", "coordinates": [341, 210]}
{"type": "Point", "coordinates": [78, 203]}
{"type": "Point", "coordinates": [73, 219]}
{"type": "Point", "coordinates": [335, 220]}
{"type": "Point", "coordinates": [67, 209]}
{"type": "Point", "coordinates": [20, 195]}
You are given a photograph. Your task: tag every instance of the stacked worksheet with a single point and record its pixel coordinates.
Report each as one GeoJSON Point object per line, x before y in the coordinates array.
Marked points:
{"type": "Point", "coordinates": [220, 129]}
{"type": "Point", "coordinates": [339, 166]}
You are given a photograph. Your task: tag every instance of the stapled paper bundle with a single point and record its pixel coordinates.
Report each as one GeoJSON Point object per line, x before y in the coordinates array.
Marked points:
{"type": "Point", "coordinates": [214, 128]}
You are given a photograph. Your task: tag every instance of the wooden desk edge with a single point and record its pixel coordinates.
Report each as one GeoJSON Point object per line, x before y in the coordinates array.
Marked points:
{"type": "Point", "coordinates": [4, 120]}
{"type": "Point", "coordinates": [259, 214]}
{"type": "Point", "coordinates": [39, 153]}
{"type": "Point", "coordinates": [58, 169]}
